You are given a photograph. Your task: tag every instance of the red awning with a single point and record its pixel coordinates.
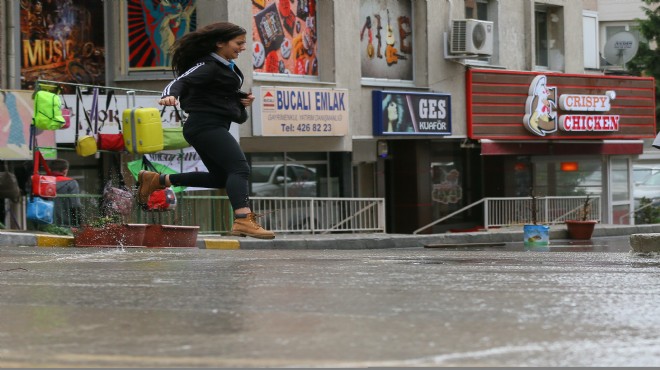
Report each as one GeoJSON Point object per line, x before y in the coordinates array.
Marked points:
{"type": "Point", "coordinates": [490, 147]}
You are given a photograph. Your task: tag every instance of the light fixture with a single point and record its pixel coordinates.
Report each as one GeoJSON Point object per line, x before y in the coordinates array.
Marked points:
{"type": "Point", "coordinates": [569, 166]}
{"type": "Point", "coordinates": [382, 149]}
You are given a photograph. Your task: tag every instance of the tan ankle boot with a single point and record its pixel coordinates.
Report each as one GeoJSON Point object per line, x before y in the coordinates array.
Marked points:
{"type": "Point", "coordinates": [248, 226]}
{"type": "Point", "coordinates": [148, 183]}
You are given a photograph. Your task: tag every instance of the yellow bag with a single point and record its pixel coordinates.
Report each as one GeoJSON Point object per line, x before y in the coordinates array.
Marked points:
{"type": "Point", "coordinates": [86, 146]}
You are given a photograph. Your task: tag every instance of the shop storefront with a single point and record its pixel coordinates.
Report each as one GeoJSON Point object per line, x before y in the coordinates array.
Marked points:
{"type": "Point", "coordinates": [290, 114]}
{"type": "Point", "coordinates": [426, 172]}
{"type": "Point", "coordinates": [561, 134]}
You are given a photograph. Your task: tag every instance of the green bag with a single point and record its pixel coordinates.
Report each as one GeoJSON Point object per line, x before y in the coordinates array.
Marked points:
{"type": "Point", "coordinates": [47, 111]}
{"type": "Point", "coordinates": [173, 138]}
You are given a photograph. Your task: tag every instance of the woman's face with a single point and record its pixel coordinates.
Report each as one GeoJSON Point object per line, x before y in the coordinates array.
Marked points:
{"type": "Point", "coordinates": [230, 49]}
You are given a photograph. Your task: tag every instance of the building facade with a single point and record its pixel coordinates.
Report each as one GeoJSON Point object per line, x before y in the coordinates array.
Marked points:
{"type": "Point", "coordinates": [429, 104]}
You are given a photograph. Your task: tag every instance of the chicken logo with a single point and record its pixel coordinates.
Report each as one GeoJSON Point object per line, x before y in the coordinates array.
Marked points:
{"type": "Point", "coordinates": [540, 116]}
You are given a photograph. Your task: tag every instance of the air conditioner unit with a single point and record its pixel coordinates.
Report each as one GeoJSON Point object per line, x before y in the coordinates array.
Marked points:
{"type": "Point", "coordinates": [471, 36]}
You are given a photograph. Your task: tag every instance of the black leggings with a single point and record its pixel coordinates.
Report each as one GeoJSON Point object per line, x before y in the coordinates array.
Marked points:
{"type": "Point", "coordinates": [222, 156]}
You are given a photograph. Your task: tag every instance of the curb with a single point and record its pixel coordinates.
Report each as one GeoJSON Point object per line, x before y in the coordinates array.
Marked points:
{"type": "Point", "coordinates": [54, 241]}
{"type": "Point", "coordinates": [349, 241]}
{"type": "Point", "coordinates": [218, 244]}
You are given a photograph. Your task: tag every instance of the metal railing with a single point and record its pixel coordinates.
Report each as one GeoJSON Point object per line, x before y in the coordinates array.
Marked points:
{"type": "Point", "coordinates": [511, 211]}
{"type": "Point", "coordinates": [213, 214]}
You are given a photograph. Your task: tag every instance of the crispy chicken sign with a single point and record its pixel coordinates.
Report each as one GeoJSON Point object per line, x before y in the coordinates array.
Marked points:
{"type": "Point", "coordinates": [541, 110]}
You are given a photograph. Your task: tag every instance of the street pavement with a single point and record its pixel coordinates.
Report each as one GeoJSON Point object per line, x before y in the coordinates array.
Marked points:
{"type": "Point", "coordinates": [573, 303]}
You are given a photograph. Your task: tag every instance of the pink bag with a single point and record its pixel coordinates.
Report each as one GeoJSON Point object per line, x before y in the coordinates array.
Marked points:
{"type": "Point", "coordinates": [66, 113]}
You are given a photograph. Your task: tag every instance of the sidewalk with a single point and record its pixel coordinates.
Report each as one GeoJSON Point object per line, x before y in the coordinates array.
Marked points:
{"type": "Point", "coordinates": [346, 241]}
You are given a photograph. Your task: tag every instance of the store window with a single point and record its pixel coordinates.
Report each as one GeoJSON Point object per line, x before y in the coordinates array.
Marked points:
{"type": "Point", "coordinates": [292, 175]}
{"type": "Point", "coordinates": [284, 37]}
{"type": "Point", "coordinates": [386, 39]}
{"type": "Point", "coordinates": [549, 37]}
{"type": "Point", "coordinates": [590, 39]}
{"type": "Point", "coordinates": [553, 177]}
{"type": "Point", "coordinates": [612, 30]}
{"type": "Point", "coordinates": [447, 181]}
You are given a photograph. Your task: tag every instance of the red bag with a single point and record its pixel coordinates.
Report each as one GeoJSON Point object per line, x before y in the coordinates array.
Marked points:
{"type": "Point", "coordinates": [162, 200]}
{"type": "Point", "coordinates": [43, 186]}
{"type": "Point", "coordinates": [112, 142]}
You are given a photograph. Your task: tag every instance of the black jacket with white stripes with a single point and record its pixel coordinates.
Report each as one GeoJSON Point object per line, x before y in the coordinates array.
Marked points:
{"type": "Point", "coordinates": [212, 87]}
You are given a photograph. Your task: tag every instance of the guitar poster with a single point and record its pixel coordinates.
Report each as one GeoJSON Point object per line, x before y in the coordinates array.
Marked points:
{"type": "Point", "coordinates": [386, 39]}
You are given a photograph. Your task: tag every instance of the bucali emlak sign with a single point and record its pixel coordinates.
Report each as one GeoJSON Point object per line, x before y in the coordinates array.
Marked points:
{"type": "Point", "coordinates": [541, 115]}
{"type": "Point", "coordinates": [297, 111]}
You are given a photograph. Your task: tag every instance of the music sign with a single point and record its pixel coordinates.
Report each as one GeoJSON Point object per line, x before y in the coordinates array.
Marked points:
{"type": "Point", "coordinates": [404, 113]}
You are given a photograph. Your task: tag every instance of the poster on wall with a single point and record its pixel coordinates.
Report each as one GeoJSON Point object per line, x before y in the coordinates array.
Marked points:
{"type": "Point", "coordinates": [153, 27]}
{"type": "Point", "coordinates": [16, 111]}
{"type": "Point", "coordinates": [284, 37]}
{"type": "Point", "coordinates": [62, 40]}
{"type": "Point", "coordinates": [404, 113]}
{"type": "Point", "coordinates": [386, 39]}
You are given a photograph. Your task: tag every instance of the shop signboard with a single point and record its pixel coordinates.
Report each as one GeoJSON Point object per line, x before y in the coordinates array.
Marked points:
{"type": "Point", "coordinates": [299, 112]}
{"type": "Point", "coordinates": [510, 105]}
{"type": "Point", "coordinates": [406, 113]}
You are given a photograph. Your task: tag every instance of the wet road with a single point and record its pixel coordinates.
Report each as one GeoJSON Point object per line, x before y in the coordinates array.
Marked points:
{"type": "Point", "coordinates": [575, 305]}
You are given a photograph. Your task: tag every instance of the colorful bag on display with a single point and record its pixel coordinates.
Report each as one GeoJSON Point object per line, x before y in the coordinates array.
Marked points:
{"type": "Point", "coordinates": [111, 142]}
{"type": "Point", "coordinates": [86, 146]}
{"type": "Point", "coordinates": [43, 185]}
{"type": "Point", "coordinates": [66, 114]}
{"type": "Point", "coordinates": [40, 210]}
{"type": "Point", "coordinates": [162, 200]}
{"type": "Point", "coordinates": [117, 200]}
{"type": "Point", "coordinates": [47, 111]}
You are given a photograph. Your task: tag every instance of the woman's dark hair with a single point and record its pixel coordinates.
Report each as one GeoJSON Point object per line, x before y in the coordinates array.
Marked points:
{"type": "Point", "coordinates": [187, 50]}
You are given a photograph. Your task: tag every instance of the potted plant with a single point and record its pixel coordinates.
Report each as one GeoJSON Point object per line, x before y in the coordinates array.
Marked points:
{"type": "Point", "coordinates": [535, 235]}
{"type": "Point", "coordinates": [108, 231]}
{"type": "Point", "coordinates": [582, 228]}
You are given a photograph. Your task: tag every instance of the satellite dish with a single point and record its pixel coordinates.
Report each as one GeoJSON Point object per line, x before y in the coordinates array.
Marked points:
{"type": "Point", "coordinates": [620, 49]}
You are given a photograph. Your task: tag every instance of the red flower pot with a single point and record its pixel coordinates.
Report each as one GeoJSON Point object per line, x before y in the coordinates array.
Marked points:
{"type": "Point", "coordinates": [170, 236]}
{"type": "Point", "coordinates": [580, 230]}
{"type": "Point", "coordinates": [110, 235]}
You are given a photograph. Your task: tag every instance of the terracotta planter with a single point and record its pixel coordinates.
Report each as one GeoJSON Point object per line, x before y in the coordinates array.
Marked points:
{"type": "Point", "coordinates": [111, 235]}
{"type": "Point", "coordinates": [170, 236]}
{"type": "Point", "coordinates": [580, 230]}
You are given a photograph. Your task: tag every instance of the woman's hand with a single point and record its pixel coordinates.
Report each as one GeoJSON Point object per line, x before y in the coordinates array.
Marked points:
{"type": "Point", "coordinates": [248, 100]}
{"type": "Point", "coordinates": [168, 101]}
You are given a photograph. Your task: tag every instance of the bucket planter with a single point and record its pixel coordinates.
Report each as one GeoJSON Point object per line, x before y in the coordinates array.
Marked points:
{"type": "Point", "coordinates": [580, 230]}
{"type": "Point", "coordinates": [109, 235]}
{"type": "Point", "coordinates": [170, 236]}
{"type": "Point", "coordinates": [536, 235]}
